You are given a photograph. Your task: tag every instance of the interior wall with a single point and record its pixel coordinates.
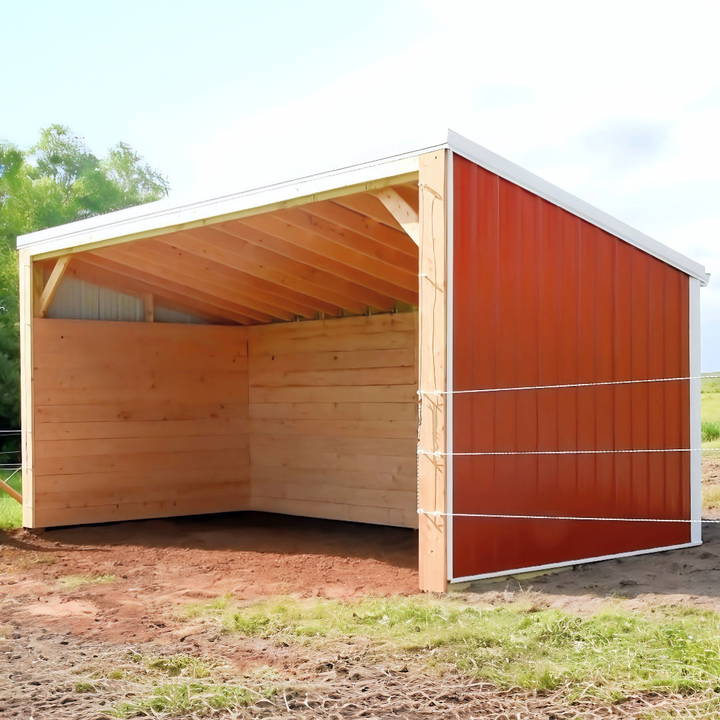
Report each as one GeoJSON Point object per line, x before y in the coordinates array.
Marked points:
{"type": "Point", "coordinates": [135, 420]}
{"type": "Point", "coordinates": [333, 413]}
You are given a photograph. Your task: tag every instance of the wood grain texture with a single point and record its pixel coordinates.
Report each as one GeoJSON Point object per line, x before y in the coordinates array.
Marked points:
{"type": "Point", "coordinates": [136, 420]}
{"type": "Point", "coordinates": [333, 417]}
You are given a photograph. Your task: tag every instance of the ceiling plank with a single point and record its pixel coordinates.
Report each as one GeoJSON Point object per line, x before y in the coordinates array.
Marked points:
{"type": "Point", "coordinates": [368, 205]}
{"type": "Point", "coordinates": [374, 274]}
{"type": "Point", "coordinates": [364, 225]}
{"type": "Point", "coordinates": [221, 250]}
{"type": "Point", "coordinates": [276, 268]}
{"type": "Point", "coordinates": [175, 264]}
{"type": "Point", "coordinates": [95, 271]}
{"type": "Point", "coordinates": [151, 271]}
{"type": "Point", "coordinates": [406, 215]}
{"type": "Point", "coordinates": [314, 266]}
{"type": "Point", "coordinates": [376, 292]}
{"type": "Point", "coordinates": [348, 238]}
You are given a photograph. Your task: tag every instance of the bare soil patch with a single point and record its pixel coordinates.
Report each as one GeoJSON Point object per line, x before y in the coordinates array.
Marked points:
{"type": "Point", "coordinates": [128, 581]}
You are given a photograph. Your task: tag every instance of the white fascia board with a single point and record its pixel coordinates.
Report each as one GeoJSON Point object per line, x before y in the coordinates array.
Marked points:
{"type": "Point", "coordinates": [142, 220]}
{"type": "Point", "coordinates": [519, 176]}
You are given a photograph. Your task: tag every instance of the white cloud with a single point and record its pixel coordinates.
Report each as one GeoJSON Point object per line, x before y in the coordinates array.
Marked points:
{"type": "Point", "coordinates": [617, 102]}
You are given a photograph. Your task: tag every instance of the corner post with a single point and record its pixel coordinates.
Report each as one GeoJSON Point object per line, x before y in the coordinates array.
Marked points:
{"type": "Point", "coordinates": [695, 400]}
{"type": "Point", "coordinates": [433, 340]}
{"type": "Point", "coordinates": [31, 284]}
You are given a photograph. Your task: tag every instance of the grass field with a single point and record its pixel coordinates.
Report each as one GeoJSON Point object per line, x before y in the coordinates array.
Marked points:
{"type": "Point", "coordinates": [609, 656]}
{"type": "Point", "coordinates": [10, 510]}
{"type": "Point", "coordinates": [711, 411]}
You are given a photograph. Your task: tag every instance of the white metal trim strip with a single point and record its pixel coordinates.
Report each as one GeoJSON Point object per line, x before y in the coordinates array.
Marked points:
{"type": "Point", "coordinates": [450, 341]}
{"type": "Point", "coordinates": [694, 370]}
{"type": "Point", "coordinates": [161, 215]}
{"type": "Point", "coordinates": [567, 563]}
{"type": "Point", "coordinates": [565, 200]}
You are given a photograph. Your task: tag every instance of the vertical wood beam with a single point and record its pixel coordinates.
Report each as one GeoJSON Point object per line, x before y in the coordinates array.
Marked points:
{"type": "Point", "coordinates": [31, 282]}
{"type": "Point", "coordinates": [432, 353]}
{"type": "Point", "coordinates": [148, 307]}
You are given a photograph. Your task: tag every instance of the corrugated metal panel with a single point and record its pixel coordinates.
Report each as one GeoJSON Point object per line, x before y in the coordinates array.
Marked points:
{"type": "Point", "coordinates": [543, 297]}
{"type": "Point", "coordinates": [80, 300]}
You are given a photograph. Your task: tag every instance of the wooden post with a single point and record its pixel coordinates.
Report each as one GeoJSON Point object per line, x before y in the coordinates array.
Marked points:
{"type": "Point", "coordinates": [432, 353]}
{"type": "Point", "coordinates": [149, 307]}
{"type": "Point", "coordinates": [31, 284]}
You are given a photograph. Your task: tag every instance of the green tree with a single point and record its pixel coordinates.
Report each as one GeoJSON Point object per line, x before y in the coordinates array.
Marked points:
{"type": "Point", "coordinates": [58, 180]}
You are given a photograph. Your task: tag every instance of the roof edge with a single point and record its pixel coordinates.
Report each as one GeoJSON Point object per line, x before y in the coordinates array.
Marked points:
{"type": "Point", "coordinates": [163, 214]}
{"type": "Point", "coordinates": [524, 178]}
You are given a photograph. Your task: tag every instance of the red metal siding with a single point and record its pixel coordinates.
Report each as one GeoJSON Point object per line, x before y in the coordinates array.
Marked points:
{"type": "Point", "coordinates": [542, 297]}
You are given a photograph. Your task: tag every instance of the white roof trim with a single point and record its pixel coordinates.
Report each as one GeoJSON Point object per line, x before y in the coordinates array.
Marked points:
{"type": "Point", "coordinates": [519, 176]}
{"type": "Point", "coordinates": [144, 219]}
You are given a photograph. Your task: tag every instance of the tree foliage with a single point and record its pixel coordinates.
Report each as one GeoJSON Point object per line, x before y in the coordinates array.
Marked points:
{"type": "Point", "coordinates": [57, 180]}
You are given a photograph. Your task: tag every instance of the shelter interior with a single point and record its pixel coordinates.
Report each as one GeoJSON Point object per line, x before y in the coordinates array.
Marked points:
{"type": "Point", "coordinates": [271, 364]}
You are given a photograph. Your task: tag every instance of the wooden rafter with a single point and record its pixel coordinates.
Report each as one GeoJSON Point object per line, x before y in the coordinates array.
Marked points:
{"type": "Point", "coordinates": [374, 274]}
{"type": "Point", "coordinates": [355, 242]}
{"type": "Point", "coordinates": [363, 225]}
{"type": "Point", "coordinates": [52, 285]}
{"type": "Point", "coordinates": [369, 206]}
{"type": "Point", "coordinates": [96, 271]}
{"type": "Point", "coordinates": [372, 291]}
{"type": "Point", "coordinates": [194, 300]}
{"type": "Point", "coordinates": [164, 261]}
{"type": "Point", "coordinates": [313, 267]}
{"type": "Point", "coordinates": [253, 272]}
{"type": "Point", "coordinates": [405, 214]}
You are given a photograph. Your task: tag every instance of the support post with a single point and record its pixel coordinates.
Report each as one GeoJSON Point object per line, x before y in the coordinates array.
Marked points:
{"type": "Point", "coordinates": [432, 354]}
{"type": "Point", "coordinates": [149, 307]}
{"type": "Point", "coordinates": [31, 283]}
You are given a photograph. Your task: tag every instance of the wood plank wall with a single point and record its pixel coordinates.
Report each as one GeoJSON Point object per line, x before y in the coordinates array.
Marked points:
{"type": "Point", "coordinates": [333, 412]}
{"type": "Point", "coordinates": [135, 420]}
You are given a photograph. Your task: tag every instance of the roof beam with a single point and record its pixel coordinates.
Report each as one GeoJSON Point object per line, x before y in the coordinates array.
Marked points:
{"type": "Point", "coordinates": [173, 263]}
{"type": "Point", "coordinates": [52, 285]}
{"type": "Point", "coordinates": [373, 291]}
{"type": "Point", "coordinates": [348, 238]}
{"type": "Point", "coordinates": [363, 225]}
{"type": "Point", "coordinates": [223, 250]}
{"type": "Point", "coordinates": [392, 282]}
{"type": "Point", "coordinates": [405, 214]}
{"type": "Point", "coordinates": [166, 281]}
{"type": "Point", "coordinates": [306, 264]}
{"type": "Point", "coordinates": [105, 273]}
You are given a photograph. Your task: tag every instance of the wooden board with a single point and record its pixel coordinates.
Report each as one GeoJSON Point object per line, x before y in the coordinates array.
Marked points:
{"type": "Point", "coordinates": [333, 416]}
{"type": "Point", "coordinates": [432, 471]}
{"type": "Point", "coordinates": [137, 420]}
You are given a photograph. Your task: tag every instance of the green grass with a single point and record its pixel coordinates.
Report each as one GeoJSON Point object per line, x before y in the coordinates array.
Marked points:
{"type": "Point", "coordinates": [10, 510]}
{"type": "Point", "coordinates": [710, 412]}
{"type": "Point", "coordinates": [176, 665]}
{"type": "Point", "coordinates": [608, 655]}
{"type": "Point", "coordinates": [196, 699]}
{"type": "Point", "coordinates": [71, 582]}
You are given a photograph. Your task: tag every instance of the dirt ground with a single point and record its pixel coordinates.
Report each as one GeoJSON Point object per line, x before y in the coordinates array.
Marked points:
{"type": "Point", "coordinates": [56, 630]}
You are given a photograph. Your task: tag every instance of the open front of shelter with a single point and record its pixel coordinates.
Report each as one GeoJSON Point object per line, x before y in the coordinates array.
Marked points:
{"type": "Point", "coordinates": [439, 340]}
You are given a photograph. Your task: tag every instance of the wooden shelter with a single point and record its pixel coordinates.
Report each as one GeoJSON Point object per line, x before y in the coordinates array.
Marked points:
{"type": "Point", "coordinates": [342, 346]}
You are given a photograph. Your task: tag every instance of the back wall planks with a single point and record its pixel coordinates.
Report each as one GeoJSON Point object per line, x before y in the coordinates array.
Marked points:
{"type": "Point", "coordinates": [333, 412]}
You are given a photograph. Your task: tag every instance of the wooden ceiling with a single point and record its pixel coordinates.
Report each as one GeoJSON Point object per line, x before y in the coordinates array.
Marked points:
{"type": "Point", "coordinates": [348, 255]}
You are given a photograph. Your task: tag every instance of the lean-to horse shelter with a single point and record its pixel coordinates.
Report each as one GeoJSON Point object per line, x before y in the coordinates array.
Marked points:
{"type": "Point", "coordinates": [349, 346]}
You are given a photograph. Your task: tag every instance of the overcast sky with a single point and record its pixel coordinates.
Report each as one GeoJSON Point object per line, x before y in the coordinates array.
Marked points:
{"type": "Point", "coordinates": [617, 102]}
